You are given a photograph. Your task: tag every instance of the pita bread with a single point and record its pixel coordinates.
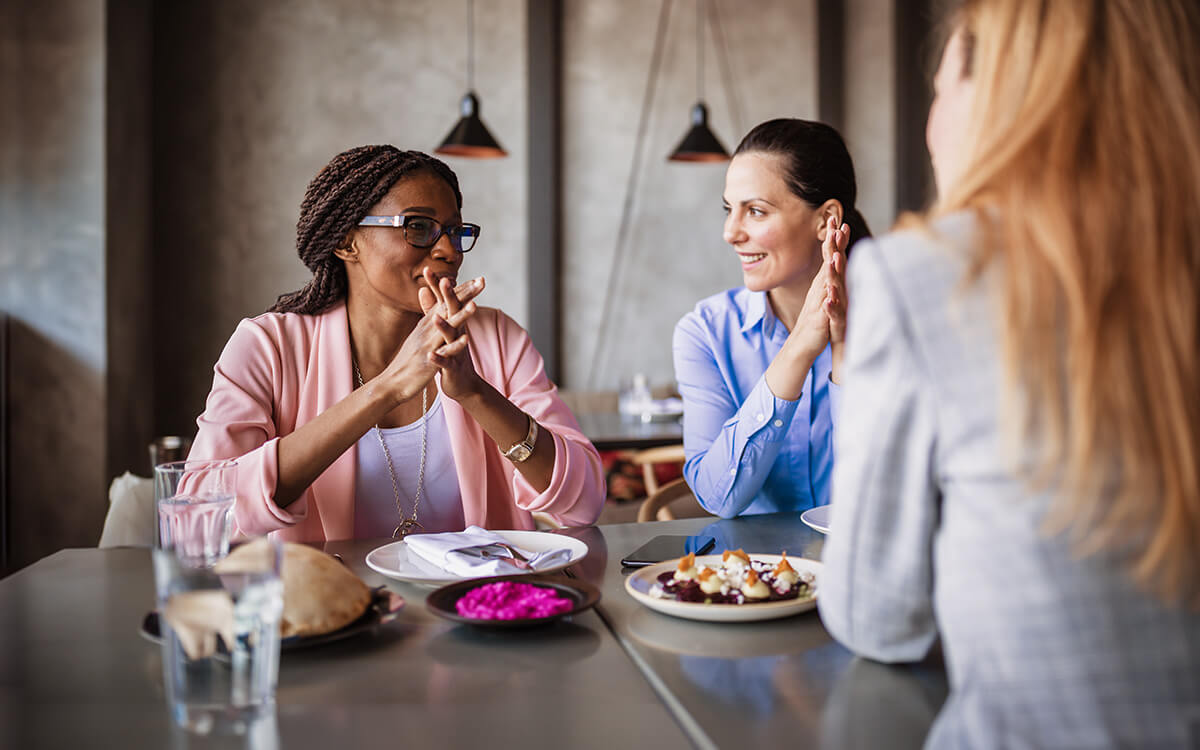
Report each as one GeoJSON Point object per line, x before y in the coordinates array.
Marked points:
{"type": "Point", "coordinates": [320, 594]}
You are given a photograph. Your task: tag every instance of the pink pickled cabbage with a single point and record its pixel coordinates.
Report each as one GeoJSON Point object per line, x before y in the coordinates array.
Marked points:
{"type": "Point", "coordinates": [507, 600]}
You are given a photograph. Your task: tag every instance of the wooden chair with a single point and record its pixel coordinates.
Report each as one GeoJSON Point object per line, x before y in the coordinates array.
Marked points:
{"type": "Point", "coordinates": [648, 457]}
{"type": "Point", "coordinates": [657, 507]}
{"type": "Point", "coordinates": [131, 517]}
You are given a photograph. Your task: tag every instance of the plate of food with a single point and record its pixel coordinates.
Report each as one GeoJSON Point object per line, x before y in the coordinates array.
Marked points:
{"type": "Point", "coordinates": [396, 560]}
{"type": "Point", "coordinates": [730, 587]}
{"type": "Point", "coordinates": [323, 600]}
{"type": "Point", "coordinates": [512, 601]}
{"type": "Point", "coordinates": [382, 609]}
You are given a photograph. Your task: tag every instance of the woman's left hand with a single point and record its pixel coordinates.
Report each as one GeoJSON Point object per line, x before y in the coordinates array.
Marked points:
{"type": "Point", "coordinates": [833, 250]}
{"type": "Point", "coordinates": [459, 378]}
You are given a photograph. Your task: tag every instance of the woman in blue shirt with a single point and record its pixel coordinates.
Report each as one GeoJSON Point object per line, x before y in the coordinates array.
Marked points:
{"type": "Point", "coordinates": [758, 365]}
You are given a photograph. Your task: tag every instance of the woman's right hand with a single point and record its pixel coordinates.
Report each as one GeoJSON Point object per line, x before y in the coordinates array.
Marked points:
{"type": "Point", "coordinates": [834, 252]}
{"type": "Point", "coordinates": [810, 332]}
{"type": "Point", "coordinates": [411, 369]}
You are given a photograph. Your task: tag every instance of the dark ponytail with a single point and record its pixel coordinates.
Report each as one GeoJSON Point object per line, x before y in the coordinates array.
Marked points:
{"type": "Point", "coordinates": [818, 166]}
{"type": "Point", "coordinates": [335, 201]}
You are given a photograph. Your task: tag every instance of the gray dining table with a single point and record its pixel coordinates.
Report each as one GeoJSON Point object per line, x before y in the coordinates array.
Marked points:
{"type": "Point", "coordinates": [75, 671]}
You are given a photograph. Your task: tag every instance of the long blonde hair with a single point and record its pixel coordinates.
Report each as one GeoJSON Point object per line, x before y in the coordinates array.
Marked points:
{"type": "Point", "coordinates": [1083, 165]}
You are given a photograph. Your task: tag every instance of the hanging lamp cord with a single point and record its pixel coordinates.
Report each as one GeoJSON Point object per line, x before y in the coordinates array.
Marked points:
{"type": "Point", "coordinates": [735, 105]}
{"type": "Point", "coordinates": [635, 169]}
{"type": "Point", "coordinates": [699, 50]}
{"type": "Point", "coordinates": [470, 45]}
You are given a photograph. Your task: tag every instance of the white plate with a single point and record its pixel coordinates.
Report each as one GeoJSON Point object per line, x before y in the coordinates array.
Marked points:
{"type": "Point", "coordinates": [817, 518]}
{"type": "Point", "coordinates": [394, 561]}
{"type": "Point", "coordinates": [638, 585]}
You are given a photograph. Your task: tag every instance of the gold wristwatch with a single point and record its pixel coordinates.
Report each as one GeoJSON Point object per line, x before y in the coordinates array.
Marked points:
{"type": "Point", "coordinates": [524, 449]}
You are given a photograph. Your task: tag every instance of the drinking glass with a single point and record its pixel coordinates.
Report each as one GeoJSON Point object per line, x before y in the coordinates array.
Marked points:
{"type": "Point", "coordinates": [634, 400]}
{"type": "Point", "coordinates": [194, 503]}
{"type": "Point", "coordinates": [219, 616]}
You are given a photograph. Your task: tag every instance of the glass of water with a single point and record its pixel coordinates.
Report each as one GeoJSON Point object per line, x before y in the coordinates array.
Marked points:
{"type": "Point", "coordinates": [194, 502]}
{"type": "Point", "coordinates": [218, 615]}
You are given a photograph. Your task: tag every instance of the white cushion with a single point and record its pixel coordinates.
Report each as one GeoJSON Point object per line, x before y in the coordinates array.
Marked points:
{"type": "Point", "coordinates": [130, 519]}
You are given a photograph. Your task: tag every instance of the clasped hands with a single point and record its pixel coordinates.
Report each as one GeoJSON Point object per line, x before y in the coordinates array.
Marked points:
{"type": "Point", "coordinates": [439, 342]}
{"type": "Point", "coordinates": [448, 308]}
{"type": "Point", "coordinates": [822, 320]}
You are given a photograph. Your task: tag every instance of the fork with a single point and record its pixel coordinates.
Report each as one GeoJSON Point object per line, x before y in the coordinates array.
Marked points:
{"type": "Point", "coordinates": [517, 556]}
{"type": "Point", "coordinates": [488, 552]}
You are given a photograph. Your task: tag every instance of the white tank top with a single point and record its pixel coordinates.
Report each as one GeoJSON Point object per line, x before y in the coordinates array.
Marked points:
{"type": "Point", "coordinates": [375, 512]}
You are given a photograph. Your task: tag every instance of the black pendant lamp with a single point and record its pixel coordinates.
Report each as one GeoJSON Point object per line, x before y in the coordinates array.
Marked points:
{"type": "Point", "coordinates": [700, 144]}
{"type": "Point", "coordinates": [469, 137]}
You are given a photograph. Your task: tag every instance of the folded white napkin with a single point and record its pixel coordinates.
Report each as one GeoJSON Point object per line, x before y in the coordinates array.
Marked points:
{"type": "Point", "coordinates": [439, 550]}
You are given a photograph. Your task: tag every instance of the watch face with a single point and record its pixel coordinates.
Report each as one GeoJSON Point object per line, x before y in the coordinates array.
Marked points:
{"type": "Point", "coordinates": [520, 452]}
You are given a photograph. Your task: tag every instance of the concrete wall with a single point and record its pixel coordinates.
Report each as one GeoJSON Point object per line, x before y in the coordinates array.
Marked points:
{"type": "Point", "coordinates": [870, 107]}
{"type": "Point", "coordinates": [674, 255]}
{"type": "Point", "coordinates": [252, 99]}
{"type": "Point", "coordinates": [52, 269]}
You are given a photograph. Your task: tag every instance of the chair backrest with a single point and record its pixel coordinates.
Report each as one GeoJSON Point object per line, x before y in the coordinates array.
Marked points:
{"type": "Point", "coordinates": [657, 506]}
{"type": "Point", "coordinates": [130, 519]}
{"type": "Point", "coordinates": [648, 457]}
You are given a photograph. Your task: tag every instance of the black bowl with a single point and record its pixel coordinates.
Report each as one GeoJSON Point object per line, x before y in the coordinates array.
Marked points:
{"type": "Point", "coordinates": [582, 595]}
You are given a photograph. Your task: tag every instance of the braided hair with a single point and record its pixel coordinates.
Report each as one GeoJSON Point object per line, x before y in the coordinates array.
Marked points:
{"type": "Point", "coordinates": [336, 200]}
{"type": "Point", "coordinates": [817, 165]}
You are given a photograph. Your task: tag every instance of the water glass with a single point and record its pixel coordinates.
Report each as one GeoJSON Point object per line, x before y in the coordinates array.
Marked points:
{"type": "Point", "coordinates": [194, 503]}
{"type": "Point", "coordinates": [219, 616]}
{"type": "Point", "coordinates": [634, 400]}
{"type": "Point", "coordinates": [228, 687]}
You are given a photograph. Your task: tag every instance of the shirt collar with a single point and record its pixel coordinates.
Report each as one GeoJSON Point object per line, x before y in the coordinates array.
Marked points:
{"type": "Point", "coordinates": [758, 313]}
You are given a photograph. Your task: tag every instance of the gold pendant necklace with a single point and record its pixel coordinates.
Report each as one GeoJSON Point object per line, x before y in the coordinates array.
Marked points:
{"type": "Point", "coordinates": [410, 524]}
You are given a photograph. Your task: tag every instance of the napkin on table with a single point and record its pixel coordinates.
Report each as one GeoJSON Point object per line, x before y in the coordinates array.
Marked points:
{"type": "Point", "coordinates": [439, 550]}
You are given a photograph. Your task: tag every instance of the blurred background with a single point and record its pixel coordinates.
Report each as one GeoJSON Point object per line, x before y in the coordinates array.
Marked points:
{"type": "Point", "coordinates": [153, 154]}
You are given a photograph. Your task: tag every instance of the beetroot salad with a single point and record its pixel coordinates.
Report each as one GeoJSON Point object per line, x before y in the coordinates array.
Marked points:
{"type": "Point", "coordinates": [508, 600]}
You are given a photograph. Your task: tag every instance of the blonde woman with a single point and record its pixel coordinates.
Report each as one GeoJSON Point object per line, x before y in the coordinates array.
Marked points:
{"type": "Point", "coordinates": [1017, 448]}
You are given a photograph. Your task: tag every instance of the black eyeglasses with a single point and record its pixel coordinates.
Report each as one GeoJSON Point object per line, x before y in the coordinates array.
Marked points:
{"type": "Point", "coordinates": [423, 232]}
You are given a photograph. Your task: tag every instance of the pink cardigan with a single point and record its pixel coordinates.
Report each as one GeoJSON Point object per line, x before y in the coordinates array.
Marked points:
{"type": "Point", "coordinates": [279, 371]}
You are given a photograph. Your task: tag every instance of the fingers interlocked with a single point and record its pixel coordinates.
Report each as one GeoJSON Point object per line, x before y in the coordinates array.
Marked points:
{"type": "Point", "coordinates": [450, 307]}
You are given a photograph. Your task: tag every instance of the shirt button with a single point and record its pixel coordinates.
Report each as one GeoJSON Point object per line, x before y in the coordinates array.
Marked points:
{"type": "Point", "coordinates": [733, 472]}
{"type": "Point", "coordinates": [779, 423]}
{"type": "Point", "coordinates": [759, 417]}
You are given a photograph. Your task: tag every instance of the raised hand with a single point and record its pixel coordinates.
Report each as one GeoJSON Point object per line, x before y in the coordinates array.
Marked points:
{"type": "Point", "coordinates": [821, 318]}
{"type": "Point", "coordinates": [411, 368]}
{"type": "Point", "coordinates": [450, 312]}
{"type": "Point", "coordinates": [833, 251]}
{"type": "Point", "coordinates": [810, 331]}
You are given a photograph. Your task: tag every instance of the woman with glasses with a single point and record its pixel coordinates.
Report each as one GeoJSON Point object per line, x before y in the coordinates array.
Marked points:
{"type": "Point", "coordinates": [758, 366]}
{"type": "Point", "coordinates": [380, 399]}
{"type": "Point", "coordinates": [1018, 466]}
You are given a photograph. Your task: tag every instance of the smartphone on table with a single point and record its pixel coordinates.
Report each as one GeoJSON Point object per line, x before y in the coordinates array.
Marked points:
{"type": "Point", "coordinates": [668, 547]}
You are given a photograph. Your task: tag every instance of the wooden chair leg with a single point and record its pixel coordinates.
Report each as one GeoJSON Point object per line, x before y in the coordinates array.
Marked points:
{"type": "Point", "coordinates": [650, 479]}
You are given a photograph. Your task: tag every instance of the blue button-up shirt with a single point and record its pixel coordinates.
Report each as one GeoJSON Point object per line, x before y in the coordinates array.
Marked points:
{"type": "Point", "coordinates": [748, 451]}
